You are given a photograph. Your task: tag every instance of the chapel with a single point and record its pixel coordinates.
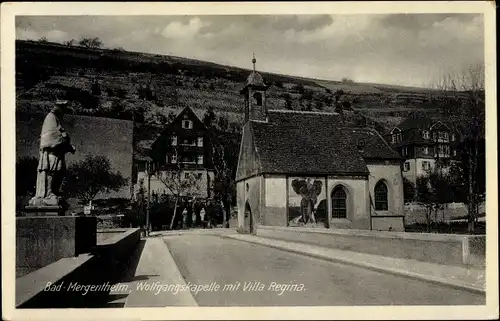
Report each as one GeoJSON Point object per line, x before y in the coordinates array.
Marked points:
{"type": "Point", "coordinates": [299, 168]}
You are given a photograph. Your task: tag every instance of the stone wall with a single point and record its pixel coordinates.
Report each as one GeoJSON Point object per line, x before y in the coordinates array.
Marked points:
{"type": "Point", "coordinates": [101, 269]}
{"type": "Point", "coordinates": [429, 247]}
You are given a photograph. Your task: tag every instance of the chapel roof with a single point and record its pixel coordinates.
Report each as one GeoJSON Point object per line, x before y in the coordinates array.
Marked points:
{"type": "Point", "coordinates": [315, 143]}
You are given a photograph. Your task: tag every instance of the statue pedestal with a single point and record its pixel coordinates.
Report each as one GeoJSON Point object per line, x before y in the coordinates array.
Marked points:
{"type": "Point", "coordinates": [41, 240]}
{"type": "Point", "coordinates": [45, 210]}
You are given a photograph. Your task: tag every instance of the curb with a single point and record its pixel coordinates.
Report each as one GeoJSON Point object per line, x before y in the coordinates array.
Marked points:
{"type": "Point", "coordinates": [394, 271]}
{"type": "Point", "coordinates": [189, 297]}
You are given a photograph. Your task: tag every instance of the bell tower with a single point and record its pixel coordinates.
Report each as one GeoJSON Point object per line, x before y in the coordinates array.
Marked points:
{"type": "Point", "coordinates": [255, 96]}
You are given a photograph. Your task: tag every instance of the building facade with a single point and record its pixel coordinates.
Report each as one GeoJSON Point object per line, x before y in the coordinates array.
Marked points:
{"type": "Point", "coordinates": [425, 145]}
{"type": "Point", "coordinates": [181, 152]}
{"type": "Point", "coordinates": [292, 164]}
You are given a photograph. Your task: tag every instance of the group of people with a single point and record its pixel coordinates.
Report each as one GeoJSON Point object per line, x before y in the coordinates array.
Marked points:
{"type": "Point", "coordinates": [204, 221]}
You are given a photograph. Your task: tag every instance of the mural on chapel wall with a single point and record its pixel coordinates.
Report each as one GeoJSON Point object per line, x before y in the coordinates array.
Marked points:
{"type": "Point", "coordinates": [307, 201]}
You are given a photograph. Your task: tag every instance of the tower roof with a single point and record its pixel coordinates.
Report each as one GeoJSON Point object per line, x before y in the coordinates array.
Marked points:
{"type": "Point", "coordinates": [255, 79]}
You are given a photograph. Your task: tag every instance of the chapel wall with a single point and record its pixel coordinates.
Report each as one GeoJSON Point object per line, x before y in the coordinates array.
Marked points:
{"type": "Point", "coordinates": [391, 174]}
{"type": "Point", "coordinates": [358, 213]}
{"type": "Point", "coordinates": [274, 211]}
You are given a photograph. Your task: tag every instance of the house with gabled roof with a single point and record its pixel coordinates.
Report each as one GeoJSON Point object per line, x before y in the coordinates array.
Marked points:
{"type": "Point", "coordinates": [300, 168]}
{"type": "Point", "coordinates": [425, 145]}
{"type": "Point", "coordinates": [184, 146]}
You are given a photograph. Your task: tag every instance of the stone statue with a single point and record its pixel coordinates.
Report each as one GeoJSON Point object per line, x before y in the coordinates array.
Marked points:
{"type": "Point", "coordinates": [54, 144]}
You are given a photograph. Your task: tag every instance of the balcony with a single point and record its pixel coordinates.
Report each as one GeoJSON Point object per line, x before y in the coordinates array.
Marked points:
{"type": "Point", "coordinates": [441, 155]}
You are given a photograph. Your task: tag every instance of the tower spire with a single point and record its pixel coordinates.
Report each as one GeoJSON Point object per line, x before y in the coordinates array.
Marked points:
{"type": "Point", "coordinates": [254, 61]}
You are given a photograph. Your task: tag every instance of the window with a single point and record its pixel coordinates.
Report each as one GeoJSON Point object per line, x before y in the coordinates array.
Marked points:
{"type": "Point", "coordinates": [397, 136]}
{"type": "Point", "coordinates": [454, 152]}
{"type": "Point", "coordinates": [200, 159]}
{"type": "Point", "coordinates": [443, 150]}
{"type": "Point", "coordinates": [339, 202]}
{"type": "Point", "coordinates": [425, 134]}
{"type": "Point", "coordinates": [173, 159]}
{"type": "Point", "coordinates": [426, 165]}
{"type": "Point", "coordinates": [198, 175]}
{"type": "Point", "coordinates": [381, 203]}
{"type": "Point", "coordinates": [258, 98]}
{"type": "Point", "coordinates": [425, 150]}
{"type": "Point", "coordinates": [186, 175]}
{"type": "Point", "coordinates": [406, 166]}
{"type": "Point", "coordinates": [200, 141]}
{"type": "Point", "coordinates": [173, 140]}
{"type": "Point", "coordinates": [187, 124]}
{"type": "Point", "coordinates": [452, 137]}
{"type": "Point", "coordinates": [404, 151]}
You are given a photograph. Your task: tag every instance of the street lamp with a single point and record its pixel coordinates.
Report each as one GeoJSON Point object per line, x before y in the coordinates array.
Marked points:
{"type": "Point", "coordinates": [149, 172]}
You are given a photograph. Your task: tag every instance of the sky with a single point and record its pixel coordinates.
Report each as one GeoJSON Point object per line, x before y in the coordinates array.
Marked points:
{"type": "Point", "coordinates": [398, 49]}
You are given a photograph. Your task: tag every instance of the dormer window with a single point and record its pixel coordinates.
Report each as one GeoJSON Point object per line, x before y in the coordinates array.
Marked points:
{"type": "Point", "coordinates": [187, 124]}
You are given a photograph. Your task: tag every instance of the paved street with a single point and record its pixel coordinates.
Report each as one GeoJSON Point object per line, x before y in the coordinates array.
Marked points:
{"type": "Point", "coordinates": [205, 259]}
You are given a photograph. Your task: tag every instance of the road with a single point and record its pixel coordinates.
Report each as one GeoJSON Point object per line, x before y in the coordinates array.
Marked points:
{"type": "Point", "coordinates": [210, 259]}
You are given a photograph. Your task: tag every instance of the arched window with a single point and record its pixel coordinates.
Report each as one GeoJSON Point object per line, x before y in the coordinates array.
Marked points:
{"type": "Point", "coordinates": [339, 202]}
{"type": "Point", "coordinates": [258, 99]}
{"type": "Point", "coordinates": [381, 203]}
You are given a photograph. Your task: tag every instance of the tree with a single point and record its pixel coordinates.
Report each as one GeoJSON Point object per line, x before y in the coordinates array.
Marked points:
{"type": "Point", "coordinates": [223, 123]}
{"type": "Point", "coordinates": [424, 195]}
{"type": "Point", "coordinates": [462, 101]}
{"type": "Point", "coordinates": [224, 152]}
{"type": "Point", "coordinates": [26, 173]}
{"type": "Point", "coordinates": [91, 176]}
{"type": "Point", "coordinates": [95, 89]}
{"type": "Point", "coordinates": [43, 40]}
{"type": "Point", "coordinates": [90, 42]}
{"type": "Point", "coordinates": [178, 184]}
{"type": "Point", "coordinates": [209, 117]}
{"type": "Point", "coordinates": [288, 100]}
{"type": "Point", "coordinates": [408, 190]}
{"type": "Point", "coordinates": [434, 191]}
{"type": "Point", "coordinates": [69, 42]}
{"type": "Point", "coordinates": [299, 88]}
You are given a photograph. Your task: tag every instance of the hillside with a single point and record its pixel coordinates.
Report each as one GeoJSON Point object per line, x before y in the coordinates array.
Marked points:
{"type": "Point", "coordinates": [151, 88]}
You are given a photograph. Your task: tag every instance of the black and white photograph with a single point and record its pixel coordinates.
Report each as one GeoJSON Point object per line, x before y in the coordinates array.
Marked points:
{"type": "Point", "coordinates": [235, 156]}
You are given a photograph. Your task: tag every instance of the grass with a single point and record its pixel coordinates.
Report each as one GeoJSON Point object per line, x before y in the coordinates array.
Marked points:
{"type": "Point", "coordinates": [46, 72]}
